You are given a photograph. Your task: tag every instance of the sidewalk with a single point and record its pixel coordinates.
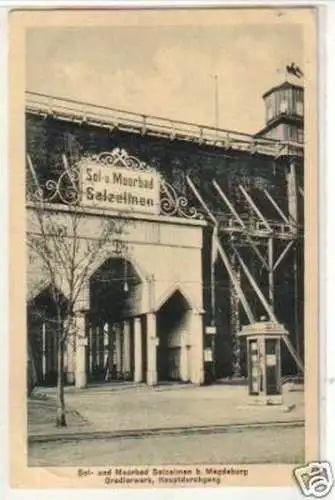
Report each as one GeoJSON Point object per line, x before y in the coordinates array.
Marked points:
{"type": "Point", "coordinates": [116, 410]}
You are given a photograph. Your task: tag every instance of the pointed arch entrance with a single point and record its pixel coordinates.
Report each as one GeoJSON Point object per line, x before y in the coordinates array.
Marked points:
{"type": "Point", "coordinates": [115, 291]}
{"type": "Point", "coordinates": [173, 324]}
{"type": "Point", "coordinates": [43, 321]}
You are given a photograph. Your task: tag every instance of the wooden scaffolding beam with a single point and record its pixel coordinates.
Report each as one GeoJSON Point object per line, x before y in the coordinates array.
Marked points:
{"type": "Point", "coordinates": [271, 265]}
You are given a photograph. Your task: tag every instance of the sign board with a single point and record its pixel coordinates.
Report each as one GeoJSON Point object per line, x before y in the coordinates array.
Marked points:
{"type": "Point", "coordinates": [115, 188]}
{"type": "Point", "coordinates": [271, 360]}
{"type": "Point", "coordinates": [82, 341]}
{"type": "Point", "coordinates": [210, 330]}
{"type": "Point", "coordinates": [208, 355]}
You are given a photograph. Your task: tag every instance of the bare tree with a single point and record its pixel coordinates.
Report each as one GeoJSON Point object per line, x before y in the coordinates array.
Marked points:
{"type": "Point", "coordinates": [58, 238]}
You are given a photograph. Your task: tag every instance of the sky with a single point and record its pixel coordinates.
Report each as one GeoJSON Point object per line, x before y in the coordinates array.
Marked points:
{"type": "Point", "coordinates": [166, 71]}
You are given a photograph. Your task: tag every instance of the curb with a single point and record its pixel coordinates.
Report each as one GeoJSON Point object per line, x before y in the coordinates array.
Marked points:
{"type": "Point", "coordinates": [141, 433]}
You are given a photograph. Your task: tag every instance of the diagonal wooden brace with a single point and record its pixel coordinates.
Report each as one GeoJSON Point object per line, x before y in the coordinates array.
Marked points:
{"type": "Point", "coordinates": [269, 310]}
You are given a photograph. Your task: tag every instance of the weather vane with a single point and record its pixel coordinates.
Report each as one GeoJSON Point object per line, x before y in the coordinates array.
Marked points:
{"type": "Point", "coordinates": [293, 69]}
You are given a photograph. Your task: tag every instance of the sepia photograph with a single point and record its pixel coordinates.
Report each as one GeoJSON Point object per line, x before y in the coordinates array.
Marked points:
{"type": "Point", "coordinates": [169, 175]}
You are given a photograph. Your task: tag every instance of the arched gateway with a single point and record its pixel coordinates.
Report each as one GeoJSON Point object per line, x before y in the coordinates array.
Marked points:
{"type": "Point", "coordinates": [139, 301]}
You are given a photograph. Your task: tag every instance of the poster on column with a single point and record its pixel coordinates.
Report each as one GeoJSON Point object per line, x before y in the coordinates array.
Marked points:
{"type": "Point", "coordinates": [152, 306]}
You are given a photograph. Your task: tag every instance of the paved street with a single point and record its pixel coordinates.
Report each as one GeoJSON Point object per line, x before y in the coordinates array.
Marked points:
{"type": "Point", "coordinates": [136, 424]}
{"type": "Point", "coordinates": [247, 445]}
{"type": "Point", "coordinates": [118, 408]}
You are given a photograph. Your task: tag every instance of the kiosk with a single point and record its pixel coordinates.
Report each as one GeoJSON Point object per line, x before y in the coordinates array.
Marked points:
{"type": "Point", "coordinates": [264, 363]}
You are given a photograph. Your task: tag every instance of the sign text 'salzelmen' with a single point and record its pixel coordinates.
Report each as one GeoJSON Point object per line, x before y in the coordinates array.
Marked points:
{"type": "Point", "coordinates": [119, 189]}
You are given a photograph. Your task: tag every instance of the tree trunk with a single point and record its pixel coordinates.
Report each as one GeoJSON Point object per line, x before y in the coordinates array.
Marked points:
{"type": "Point", "coordinates": [61, 418]}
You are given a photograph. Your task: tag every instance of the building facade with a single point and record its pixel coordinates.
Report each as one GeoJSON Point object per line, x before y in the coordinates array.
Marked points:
{"type": "Point", "coordinates": [164, 298]}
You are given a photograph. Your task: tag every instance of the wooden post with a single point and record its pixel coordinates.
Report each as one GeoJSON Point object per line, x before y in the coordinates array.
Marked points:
{"type": "Point", "coordinates": [271, 274]}
{"type": "Point", "coordinates": [235, 319]}
{"type": "Point", "coordinates": [213, 261]}
{"type": "Point", "coordinates": [292, 194]}
{"type": "Point", "coordinates": [296, 302]}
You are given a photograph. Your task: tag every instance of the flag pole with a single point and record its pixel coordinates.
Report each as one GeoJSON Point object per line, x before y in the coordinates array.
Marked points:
{"type": "Point", "coordinates": [216, 101]}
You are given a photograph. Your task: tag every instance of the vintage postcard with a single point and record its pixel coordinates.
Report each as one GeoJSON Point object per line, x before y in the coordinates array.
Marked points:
{"type": "Point", "coordinates": [164, 268]}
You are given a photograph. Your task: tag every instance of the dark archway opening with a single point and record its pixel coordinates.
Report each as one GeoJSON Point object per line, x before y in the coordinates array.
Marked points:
{"type": "Point", "coordinates": [44, 315]}
{"type": "Point", "coordinates": [115, 289]}
{"type": "Point", "coordinates": [172, 320]}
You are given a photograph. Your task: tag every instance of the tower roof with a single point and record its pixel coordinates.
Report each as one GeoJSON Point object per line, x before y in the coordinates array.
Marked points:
{"type": "Point", "coordinates": [284, 85]}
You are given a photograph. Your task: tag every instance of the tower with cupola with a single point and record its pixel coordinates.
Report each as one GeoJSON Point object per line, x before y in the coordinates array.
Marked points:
{"type": "Point", "coordinates": [284, 113]}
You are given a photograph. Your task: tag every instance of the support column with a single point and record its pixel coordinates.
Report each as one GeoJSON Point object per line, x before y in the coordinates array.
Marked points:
{"type": "Point", "coordinates": [126, 350]}
{"type": "Point", "coordinates": [235, 325]}
{"type": "Point", "coordinates": [292, 193]}
{"type": "Point", "coordinates": [44, 352]}
{"type": "Point", "coordinates": [138, 373]}
{"type": "Point", "coordinates": [296, 302]}
{"type": "Point", "coordinates": [107, 352]}
{"type": "Point", "coordinates": [196, 349]}
{"type": "Point", "coordinates": [152, 343]}
{"type": "Point", "coordinates": [81, 346]}
{"type": "Point", "coordinates": [271, 274]}
{"type": "Point", "coordinates": [118, 350]}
